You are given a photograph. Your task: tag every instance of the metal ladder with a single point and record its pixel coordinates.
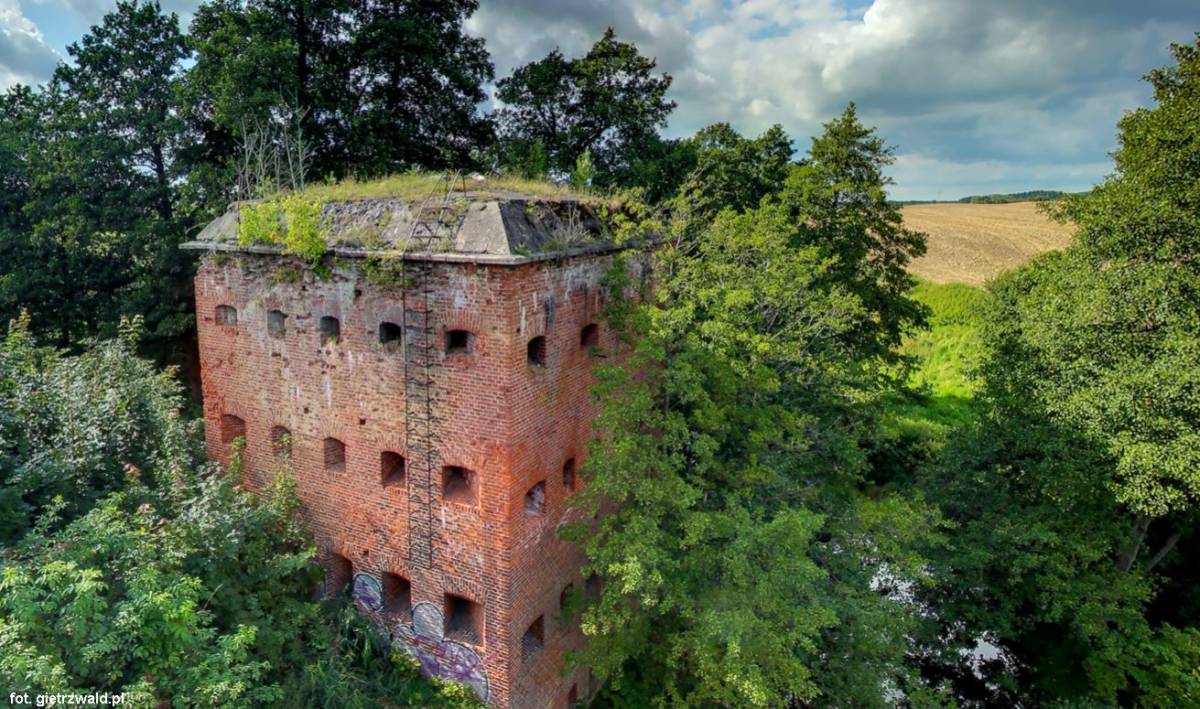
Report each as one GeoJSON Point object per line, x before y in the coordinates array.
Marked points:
{"type": "Point", "coordinates": [434, 220]}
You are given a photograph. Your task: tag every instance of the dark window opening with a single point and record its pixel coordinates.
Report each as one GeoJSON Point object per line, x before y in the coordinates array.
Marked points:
{"type": "Point", "coordinates": [572, 697]}
{"type": "Point", "coordinates": [589, 336]}
{"type": "Point", "coordinates": [226, 315]}
{"type": "Point", "coordinates": [397, 596]}
{"type": "Point", "coordinates": [459, 485]}
{"type": "Point", "coordinates": [535, 499]}
{"type": "Point", "coordinates": [564, 598]}
{"type": "Point", "coordinates": [534, 639]}
{"type": "Point", "coordinates": [593, 586]}
{"type": "Point", "coordinates": [232, 428]}
{"type": "Point", "coordinates": [464, 620]}
{"type": "Point", "coordinates": [281, 442]}
{"type": "Point", "coordinates": [391, 467]}
{"type": "Point", "coordinates": [569, 474]}
{"type": "Point", "coordinates": [536, 352]}
{"type": "Point", "coordinates": [340, 573]}
{"type": "Point", "coordinates": [331, 329]}
{"type": "Point", "coordinates": [390, 335]}
{"type": "Point", "coordinates": [276, 324]}
{"type": "Point", "coordinates": [335, 456]}
{"type": "Point", "coordinates": [458, 342]}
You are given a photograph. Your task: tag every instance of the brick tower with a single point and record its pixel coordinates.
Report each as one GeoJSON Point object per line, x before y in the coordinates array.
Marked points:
{"type": "Point", "coordinates": [433, 406]}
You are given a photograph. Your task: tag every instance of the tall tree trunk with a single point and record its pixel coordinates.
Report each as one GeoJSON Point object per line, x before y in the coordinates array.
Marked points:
{"type": "Point", "coordinates": [1163, 550]}
{"type": "Point", "coordinates": [1139, 535]}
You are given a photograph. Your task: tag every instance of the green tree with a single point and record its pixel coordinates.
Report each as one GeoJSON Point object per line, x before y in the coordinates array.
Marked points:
{"type": "Point", "coordinates": [839, 198]}
{"type": "Point", "coordinates": [417, 78]}
{"type": "Point", "coordinates": [608, 102]}
{"type": "Point", "coordinates": [743, 561]}
{"type": "Point", "coordinates": [100, 210]}
{"type": "Point", "coordinates": [731, 171]}
{"type": "Point", "coordinates": [1072, 498]}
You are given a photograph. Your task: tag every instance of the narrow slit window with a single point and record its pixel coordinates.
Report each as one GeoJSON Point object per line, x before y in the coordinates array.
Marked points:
{"type": "Point", "coordinates": [458, 342]}
{"type": "Point", "coordinates": [390, 336]}
{"type": "Point", "coordinates": [464, 620]}
{"type": "Point", "coordinates": [535, 352]}
{"type": "Point", "coordinates": [226, 315]}
{"type": "Point", "coordinates": [335, 456]}
{"type": "Point", "coordinates": [589, 336]}
{"type": "Point", "coordinates": [281, 442]}
{"type": "Point", "coordinates": [535, 499]}
{"type": "Point", "coordinates": [391, 468]}
{"type": "Point", "coordinates": [568, 474]}
{"type": "Point", "coordinates": [277, 324]}
{"type": "Point", "coordinates": [459, 485]}
{"type": "Point", "coordinates": [232, 428]}
{"type": "Point", "coordinates": [339, 575]}
{"type": "Point", "coordinates": [331, 329]}
{"type": "Point", "coordinates": [397, 596]}
{"type": "Point", "coordinates": [534, 639]}
{"type": "Point", "coordinates": [572, 697]}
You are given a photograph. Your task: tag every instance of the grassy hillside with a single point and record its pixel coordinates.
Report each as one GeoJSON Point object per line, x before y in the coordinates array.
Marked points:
{"type": "Point", "coordinates": [972, 243]}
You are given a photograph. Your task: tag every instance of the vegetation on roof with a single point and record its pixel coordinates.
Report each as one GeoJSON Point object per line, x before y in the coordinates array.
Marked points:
{"type": "Point", "coordinates": [416, 186]}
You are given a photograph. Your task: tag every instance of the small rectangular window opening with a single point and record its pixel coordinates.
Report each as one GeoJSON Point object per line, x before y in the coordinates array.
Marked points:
{"type": "Point", "coordinates": [276, 324]}
{"type": "Point", "coordinates": [340, 573]}
{"type": "Point", "coordinates": [397, 596]}
{"type": "Point", "coordinates": [226, 315]}
{"type": "Point", "coordinates": [464, 620]}
{"type": "Point", "coordinates": [391, 468]}
{"type": "Point", "coordinates": [458, 342]}
{"type": "Point", "coordinates": [568, 478]}
{"type": "Point", "coordinates": [589, 336]}
{"type": "Point", "coordinates": [281, 443]}
{"type": "Point", "coordinates": [335, 456]}
{"type": "Point", "coordinates": [535, 499]}
{"type": "Point", "coordinates": [232, 428]}
{"type": "Point", "coordinates": [535, 352]}
{"type": "Point", "coordinates": [390, 336]}
{"type": "Point", "coordinates": [534, 639]}
{"type": "Point", "coordinates": [459, 485]}
{"type": "Point", "coordinates": [331, 329]}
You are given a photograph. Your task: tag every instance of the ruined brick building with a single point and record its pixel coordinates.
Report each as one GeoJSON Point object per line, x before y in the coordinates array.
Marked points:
{"type": "Point", "coordinates": [434, 408]}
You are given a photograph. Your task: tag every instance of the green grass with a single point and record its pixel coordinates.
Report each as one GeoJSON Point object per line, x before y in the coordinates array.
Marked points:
{"type": "Point", "coordinates": [942, 389]}
{"type": "Point", "coordinates": [415, 186]}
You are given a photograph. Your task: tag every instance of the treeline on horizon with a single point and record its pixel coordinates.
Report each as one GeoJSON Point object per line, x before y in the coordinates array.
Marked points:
{"type": "Point", "coordinates": [1000, 198]}
{"type": "Point", "coordinates": [776, 533]}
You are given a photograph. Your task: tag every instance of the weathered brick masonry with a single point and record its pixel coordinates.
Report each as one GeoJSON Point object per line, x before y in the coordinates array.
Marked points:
{"type": "Point", "coordinates": [454, 549]}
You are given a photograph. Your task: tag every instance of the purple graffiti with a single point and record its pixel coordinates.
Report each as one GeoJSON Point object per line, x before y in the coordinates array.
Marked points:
{"type": "Point", "coordinates": [367, 592]}
{"type": "Point", "coordinates": [423, 638]}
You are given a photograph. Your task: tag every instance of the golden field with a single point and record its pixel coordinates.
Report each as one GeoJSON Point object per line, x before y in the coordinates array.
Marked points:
{"type": "Point", "coordinates": [971, 243]}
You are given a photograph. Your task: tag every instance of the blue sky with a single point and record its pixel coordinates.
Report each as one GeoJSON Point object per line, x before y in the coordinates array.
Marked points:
{"type": "Point", "coordinates": [977, 95]}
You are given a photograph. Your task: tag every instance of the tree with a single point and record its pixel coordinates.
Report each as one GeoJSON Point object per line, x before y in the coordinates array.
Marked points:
{"type": "Point", "coordinates": [742, 560]}
{"type": "Point", "coordinates": [1073, 497]}
{"type": "Point", "coordinates": [730, 171]}
{"type": "Point", "coordinates": [839, 198]}
{"type": "Point", "coordinates": [608, 102]}
{"type": "Point", "coordinates": [417, 78]}
{"type": "Point", "coordinates": [100, 208]}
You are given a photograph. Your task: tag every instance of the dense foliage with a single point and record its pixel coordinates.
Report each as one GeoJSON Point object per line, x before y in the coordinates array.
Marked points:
{"type": "Point", "coordinates": [1073, 495]}
{"type": "Point", "coordinates": [744, 553]}
{"type": "Point", "coordinates": [150, 573]}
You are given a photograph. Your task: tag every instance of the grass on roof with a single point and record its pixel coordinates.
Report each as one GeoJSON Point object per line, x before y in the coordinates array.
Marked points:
{"type": "Point", "coordinates": [415, 186]}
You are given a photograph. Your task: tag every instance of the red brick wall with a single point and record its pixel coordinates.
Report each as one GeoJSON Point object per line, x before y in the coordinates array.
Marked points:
{"type": "Point", "coordinates": [510, 423]}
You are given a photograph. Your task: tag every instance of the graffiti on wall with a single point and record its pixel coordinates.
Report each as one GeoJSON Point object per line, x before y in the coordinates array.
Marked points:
{"type": "Point", "coordinates": [424, 639]}
{"type": "Point", "coordinates": [367, 592]}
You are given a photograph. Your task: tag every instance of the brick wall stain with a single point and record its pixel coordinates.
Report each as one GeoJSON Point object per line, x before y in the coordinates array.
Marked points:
{"type": "Point", "coordinates": [510, 423]}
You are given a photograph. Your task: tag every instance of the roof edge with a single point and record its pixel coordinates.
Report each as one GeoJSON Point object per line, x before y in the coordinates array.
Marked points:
{"type": "Point", "coordinates": [442, 257]}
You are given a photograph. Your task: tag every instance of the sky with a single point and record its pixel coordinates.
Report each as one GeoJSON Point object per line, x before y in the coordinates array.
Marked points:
{"type": "Point", "coordinates": [977, 96]}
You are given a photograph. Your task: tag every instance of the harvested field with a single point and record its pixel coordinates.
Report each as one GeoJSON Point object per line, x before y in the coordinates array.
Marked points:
{"type": "Point", "coordinates": [971, 243]}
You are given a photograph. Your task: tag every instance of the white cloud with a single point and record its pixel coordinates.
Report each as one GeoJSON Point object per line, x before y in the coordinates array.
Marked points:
{"type": "Point", "coordinates": [25, 57]}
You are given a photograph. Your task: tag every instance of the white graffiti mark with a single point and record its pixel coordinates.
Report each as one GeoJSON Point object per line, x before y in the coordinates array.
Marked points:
{"type": "Point", "coordinates": [424, 639]}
